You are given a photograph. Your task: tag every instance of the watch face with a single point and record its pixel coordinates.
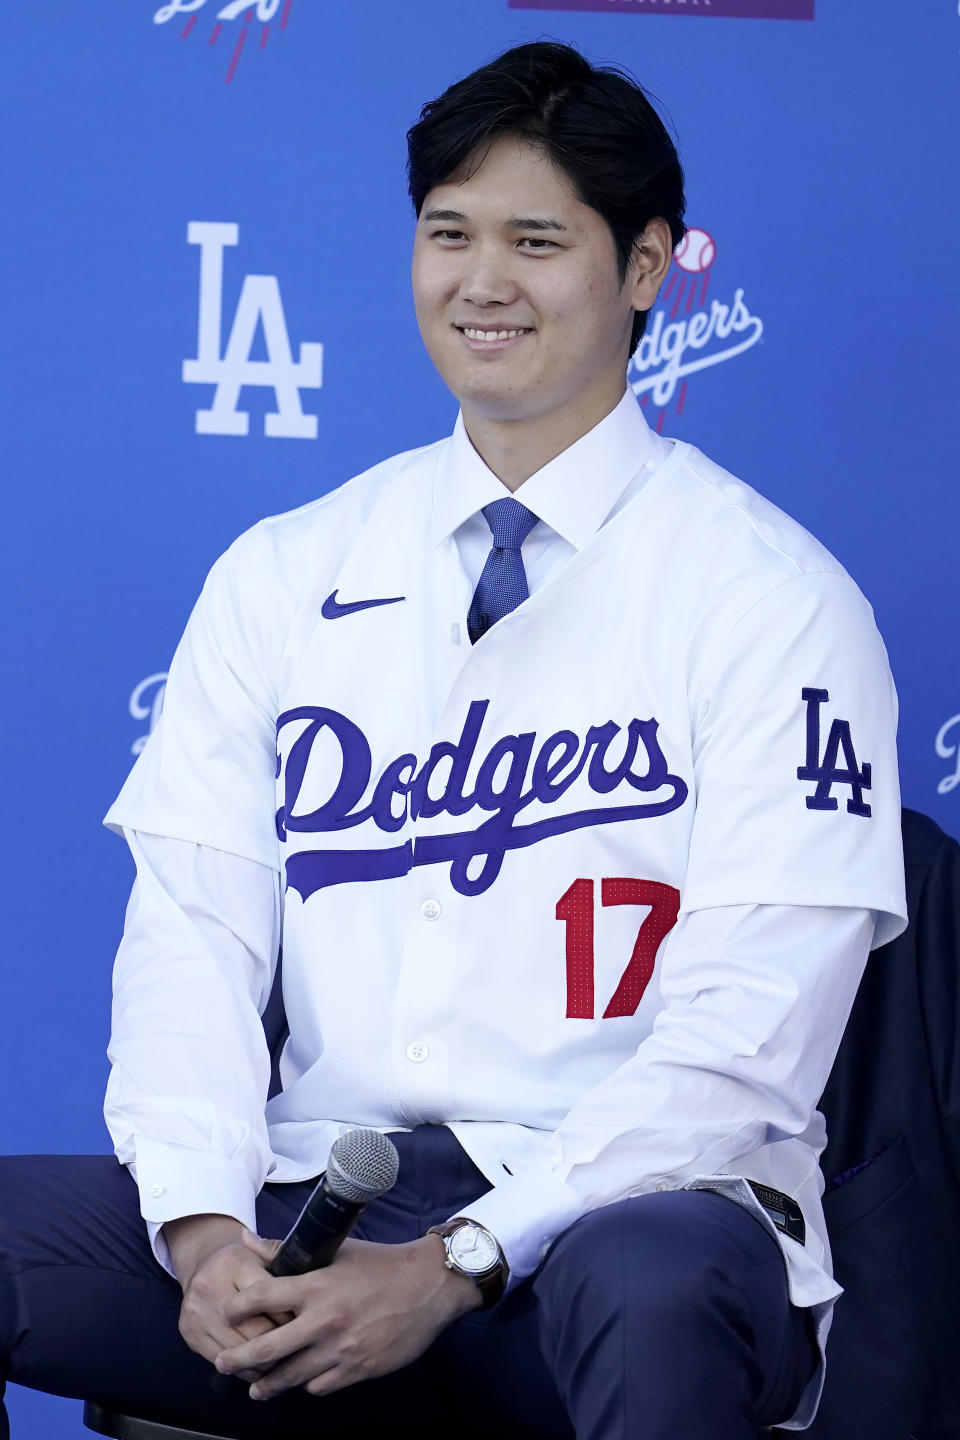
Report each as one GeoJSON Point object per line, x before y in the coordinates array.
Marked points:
{"type": "Point", "coordinates": [473, 1249]}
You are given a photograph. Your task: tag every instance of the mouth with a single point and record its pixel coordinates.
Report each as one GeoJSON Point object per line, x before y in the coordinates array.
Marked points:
{"type": "Point", "coordinates": [487, 337]}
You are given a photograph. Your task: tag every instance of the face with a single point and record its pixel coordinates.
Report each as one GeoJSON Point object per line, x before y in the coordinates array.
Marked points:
{"type": "Point", "coordinates": [516, 289]}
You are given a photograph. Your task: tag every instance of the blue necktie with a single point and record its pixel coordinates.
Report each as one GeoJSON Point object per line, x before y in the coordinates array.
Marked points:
{"type": "Point", "coordinates": [503, 583]}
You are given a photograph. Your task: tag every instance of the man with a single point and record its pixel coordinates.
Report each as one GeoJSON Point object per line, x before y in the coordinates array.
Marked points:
{"type": "Point", "coordinates": [563, 765]}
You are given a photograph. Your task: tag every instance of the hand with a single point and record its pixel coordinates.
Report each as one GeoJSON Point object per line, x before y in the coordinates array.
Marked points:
{"type": "Point", "coordinates": [375, 1309]}
{"type": "Point", "coordinates": [212, 1267]}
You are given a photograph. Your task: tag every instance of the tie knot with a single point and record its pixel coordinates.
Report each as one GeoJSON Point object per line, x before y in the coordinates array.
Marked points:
{"type": "Point", "coordinates": [510, 522]}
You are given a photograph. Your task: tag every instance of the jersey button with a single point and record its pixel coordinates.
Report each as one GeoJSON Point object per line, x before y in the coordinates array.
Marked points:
{"type": "Point", "coordinates": [430, 909]}
{"type": "Point", "coordinates": [157, 1190]}
{"type": "Point", "coordinates": [417, 1051]}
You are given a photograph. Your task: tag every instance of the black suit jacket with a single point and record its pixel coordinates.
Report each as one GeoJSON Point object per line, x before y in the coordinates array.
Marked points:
{"type": "Point", "coordinates": [892, 1164]}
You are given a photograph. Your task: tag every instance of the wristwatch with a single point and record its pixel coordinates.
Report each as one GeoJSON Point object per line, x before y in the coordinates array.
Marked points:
{"type": "Point", "coordinates": [473, 1251]}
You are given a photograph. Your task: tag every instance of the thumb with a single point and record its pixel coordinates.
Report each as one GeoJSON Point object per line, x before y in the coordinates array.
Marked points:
{"type": "Point", "coordinates": [266, 1249]}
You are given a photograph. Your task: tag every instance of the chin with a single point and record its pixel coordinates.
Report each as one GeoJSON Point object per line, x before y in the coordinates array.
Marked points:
{"type": "Point", "coordinates": [490, 389]}
{"type": "Point", "coordinates": [496, 403]}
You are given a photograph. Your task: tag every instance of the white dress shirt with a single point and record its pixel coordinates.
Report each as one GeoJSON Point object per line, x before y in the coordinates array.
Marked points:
{"type": "Point", "coordinates": [752, 1002]}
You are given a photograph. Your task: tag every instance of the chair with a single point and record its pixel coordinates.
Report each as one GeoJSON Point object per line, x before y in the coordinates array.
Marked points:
{"type": "Point", "coordinates": [892, 1168]}
{"type": "Point", "coordinates": [125, 1427]}
{"type": "Point", "coordinates": [892, 1107]}
{"type": "Point", "coordinates": [128, 1427]}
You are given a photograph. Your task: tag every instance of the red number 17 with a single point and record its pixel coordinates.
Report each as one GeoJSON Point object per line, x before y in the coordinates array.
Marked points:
{"type": "Point", "coordinates": [575, 909]}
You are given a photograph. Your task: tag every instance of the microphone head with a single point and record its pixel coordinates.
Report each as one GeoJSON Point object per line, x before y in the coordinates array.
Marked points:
{"type": "Point", "coordinates": [363, 1165]}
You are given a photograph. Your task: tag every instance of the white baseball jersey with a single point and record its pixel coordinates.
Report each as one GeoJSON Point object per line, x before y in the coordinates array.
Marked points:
{"type": "Point", "coordinates": [494, 858]}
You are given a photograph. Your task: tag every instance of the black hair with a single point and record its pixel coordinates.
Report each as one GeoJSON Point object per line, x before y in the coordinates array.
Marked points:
{"type": "Point", "coordinates": [594, 122]}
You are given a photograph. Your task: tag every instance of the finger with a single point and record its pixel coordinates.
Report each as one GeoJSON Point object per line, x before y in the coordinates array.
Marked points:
{"type": "Point", "coordinates": [259, 1325]}
{"type": "Point", "coordinates": [206, 1335]}
{"type": "Point", "coordinates": [336, 1378]}
{"type": "Point", "coordinates": [266, 1249]}
{"type": "Point", "coordinates": [209, 1337]}
{"type": "Point", "coordinates": [252, 1373]}
{"type": "Point", "coordinates": [299, 1370]}
{"type": "Point", "coordinates": [266, 1296]}
{"type": "Point", "coordinates": [259, 1243]}
{"type": "Point", "coordinates": [250, 1330]}
{"type": "Point", "coordinates": [266, 1351]}
{"type": "Point", "coordinates": [227, 1384]}
{"type": "Point", "coordinates": [253, 1329]}
{"type": "Point", "coordinates": [206, 1344]}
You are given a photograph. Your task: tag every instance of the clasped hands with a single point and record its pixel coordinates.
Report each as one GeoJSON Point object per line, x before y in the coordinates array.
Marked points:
{"type": "Point", "coordinates": [374, 1310]}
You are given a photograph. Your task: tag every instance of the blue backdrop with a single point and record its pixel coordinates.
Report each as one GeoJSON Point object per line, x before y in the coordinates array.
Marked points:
{"type": "Point", "coordinates": [202, 197]}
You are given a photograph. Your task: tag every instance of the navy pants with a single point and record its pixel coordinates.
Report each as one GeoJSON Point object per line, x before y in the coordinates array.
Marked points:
{"type": "Point", "coordinates": [663, 1317]}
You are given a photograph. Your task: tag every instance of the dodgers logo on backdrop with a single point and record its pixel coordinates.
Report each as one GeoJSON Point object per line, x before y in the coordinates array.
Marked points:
{"type": "Point", "coordinates": [947, 746]}
{"type": "Point", "coordinates": [259, 304]}
{"type": "Point", "coordinates": [146, 703]}
{"type": "Point", "coordinates": [238, 16]}
{"type": "Point", "coordinates": [684, 335]}
{"type": "Point", "coordinates": [515, 772]}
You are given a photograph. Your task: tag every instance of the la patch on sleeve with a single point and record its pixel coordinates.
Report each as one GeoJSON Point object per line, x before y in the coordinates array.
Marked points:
{"type": "Point", "coordinates": [829, 771]}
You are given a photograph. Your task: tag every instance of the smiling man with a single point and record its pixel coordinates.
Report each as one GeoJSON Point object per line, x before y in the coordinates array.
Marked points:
{"type": "Point", "coordinates": [563, 766]}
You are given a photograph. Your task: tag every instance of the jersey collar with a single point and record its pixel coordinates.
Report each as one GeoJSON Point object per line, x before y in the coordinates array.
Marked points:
{"type": "Point", "coordinates": [573, 494]}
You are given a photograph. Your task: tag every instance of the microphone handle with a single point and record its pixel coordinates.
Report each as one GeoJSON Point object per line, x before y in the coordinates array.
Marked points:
{"type": "Point", "coordinates": [323, 1224]}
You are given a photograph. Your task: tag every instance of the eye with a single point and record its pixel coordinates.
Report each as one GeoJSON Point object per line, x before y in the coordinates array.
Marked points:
{"type": "Point", "coordinates": [450, 236]}
{"type": "Point", "coordinates": [538, 245]}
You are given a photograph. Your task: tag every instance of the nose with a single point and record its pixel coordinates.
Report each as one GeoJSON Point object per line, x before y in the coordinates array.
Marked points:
{"type": "Point", "coordinates": [485, 279]}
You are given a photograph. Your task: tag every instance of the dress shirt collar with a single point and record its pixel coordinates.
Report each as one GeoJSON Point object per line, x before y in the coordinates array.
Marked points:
{"type": "Point", "coordinates": [573, 494]}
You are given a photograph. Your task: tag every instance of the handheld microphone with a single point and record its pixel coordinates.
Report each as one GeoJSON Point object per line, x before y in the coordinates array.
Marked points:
{"type": "Point", "coordinates": [363, 1165]}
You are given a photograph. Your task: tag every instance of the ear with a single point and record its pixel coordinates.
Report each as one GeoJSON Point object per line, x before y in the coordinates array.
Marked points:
{"type": "Point", "coordinates": [650, 263]}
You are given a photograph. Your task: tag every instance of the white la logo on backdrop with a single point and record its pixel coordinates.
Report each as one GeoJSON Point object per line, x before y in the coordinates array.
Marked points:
{"type": "Point", "coordinates": [259, 303]}
{"type": "Point", "coordinates": [146, 703]}
{"type": "Point", "coordinates": [946, 752]}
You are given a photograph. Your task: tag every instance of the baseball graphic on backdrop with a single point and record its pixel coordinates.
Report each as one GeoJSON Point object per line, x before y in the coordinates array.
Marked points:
{"type": "Point", "coordinates": [696, 251]}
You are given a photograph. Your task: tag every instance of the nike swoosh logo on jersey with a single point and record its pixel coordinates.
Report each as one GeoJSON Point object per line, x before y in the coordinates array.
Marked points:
{"type": "Point", "coordinates": [333, 609]}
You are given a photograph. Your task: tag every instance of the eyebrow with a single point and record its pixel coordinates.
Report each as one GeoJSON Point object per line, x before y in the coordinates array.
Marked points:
{"type": "Point", "coordinates": [515, 222]}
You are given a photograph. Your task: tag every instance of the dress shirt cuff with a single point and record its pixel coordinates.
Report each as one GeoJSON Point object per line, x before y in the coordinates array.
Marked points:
{"type": "Point", "coordinates": [174, 1181]}
{"type": "Point", "coordinates": [526, 1213]}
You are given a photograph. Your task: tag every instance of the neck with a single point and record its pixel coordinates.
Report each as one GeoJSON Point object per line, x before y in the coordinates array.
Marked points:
{"type": "Point", "coordinates": [516, 449]}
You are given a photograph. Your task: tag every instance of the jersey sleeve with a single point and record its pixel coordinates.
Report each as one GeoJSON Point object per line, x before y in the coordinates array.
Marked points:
{"type": "Point", "coordinates": [207, 773]}
{"type": "Point", "coordinates": [196, 962]}
{"type": "Point", "coordinates": [793, 720]}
